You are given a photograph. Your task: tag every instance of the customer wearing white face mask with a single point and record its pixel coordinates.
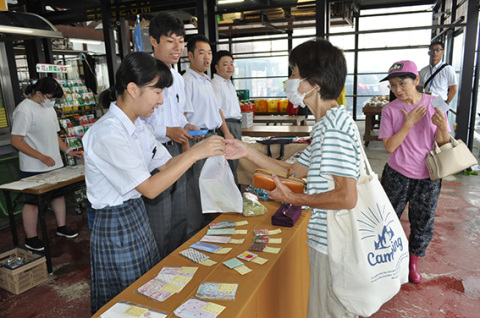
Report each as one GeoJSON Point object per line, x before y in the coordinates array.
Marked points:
{"type": "Point", "coordinates": [34, 135]}
{"type": "Point", "coordinates": [330, 163]}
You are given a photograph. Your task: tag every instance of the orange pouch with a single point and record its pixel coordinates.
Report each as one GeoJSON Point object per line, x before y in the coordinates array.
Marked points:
{"type": "Point", "coordinates": [262, 178]}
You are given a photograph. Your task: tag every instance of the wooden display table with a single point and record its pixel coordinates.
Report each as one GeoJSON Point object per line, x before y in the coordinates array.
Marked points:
{"type": "Point", "coordinates": [372, 122]}
{"type": "Point", "coordinates": [266, 131]}
{"type": "Point", "coordinates": [280, 119]}
{"type": "Point", "coordinates": [43, 193]}
{"type": "Point", "coordinates": [276, 289]}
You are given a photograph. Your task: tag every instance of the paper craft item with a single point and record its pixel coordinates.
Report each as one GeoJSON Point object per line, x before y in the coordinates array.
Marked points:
{"type": "Point", "coordinates": [124, 309]}
{"type": "Point", "coordinates": [224, 250]}
{"type": "Point", "coordinates": [198, 308]}
{"type": "Point", "coordinates": [259, 260]}
{"type": "Point", "coordinates": [262, 232]}
{"type": "Point", "coordinates": [243, 269]}
{"type": "Point", "coordinates": [440, 104]}
{"type": "Point", "coordinates": [222, 224]}
{"type": "Point", "coordinates": [240, 223]}
{"type": "Point", "coordinates": [273, 250]}
{"type": "Point", "coordinates": [261, 239]}
{"type": "Point", "coordinates": [153, 289]}
{"type": "Point", "coordinates": [169, 280]}
{"type": "Point", "coordinates": [241, 231]}
{"type": "Point", "coordinates": [236, 241]}
{"type": "Point", "coordinates": [257, 247]}
{"type": "Point", "coordinates": [273, 232]}
{"type": "Point", "coordinates": [247, 256]}
{"type": "Point", "coordinates": [216, 239]}
{"type": "Point", "coordinates": [194, 255]}
{"type": "Point", "coordinates": [207, 262]}
{"type": "Point", "coordinates": [202, 246]}
{"type": "Point", "coordinates": [221, 232]}
{"type": "Point", "coordinates": [217, 291]}
{"type": "Point", "coordinates": [275, 241]}
{"type": "Point", "coordinates": [232, 263]}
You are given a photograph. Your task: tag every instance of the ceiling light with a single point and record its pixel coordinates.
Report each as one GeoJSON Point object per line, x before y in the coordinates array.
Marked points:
{"type": "Point", "coordinates": [84, 41]}
{"type": "Point", "coordinates": [220, 2]}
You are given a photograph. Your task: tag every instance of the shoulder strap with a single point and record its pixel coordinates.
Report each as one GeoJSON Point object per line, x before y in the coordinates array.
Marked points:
{"type": "Point", "coordinates": [433, 75]}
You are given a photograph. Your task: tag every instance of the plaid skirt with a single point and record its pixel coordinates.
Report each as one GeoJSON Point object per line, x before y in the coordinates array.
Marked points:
{"type": "Point", "coordinates": [122, 248]}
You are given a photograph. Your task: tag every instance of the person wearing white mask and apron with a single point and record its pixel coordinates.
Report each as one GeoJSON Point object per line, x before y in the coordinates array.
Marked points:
{"type": "Point", "coordinates": [34, 135]}
{"type": "Point", "coordinates": [330, 163]}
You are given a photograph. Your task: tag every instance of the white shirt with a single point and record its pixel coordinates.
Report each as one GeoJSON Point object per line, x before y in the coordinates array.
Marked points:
{"type": "Point", "coordinates": [170, 114]}
{"type": "Point", "coordinates": [204, 112]}
{"type": "Point", "coordinates": [226, 97]}
{"type": "Point", "coordinates": [39, 126]}
{"type": "Point", "coordinates": [119, 156]}
{"type": "Point", "coordinates": [439, 85]}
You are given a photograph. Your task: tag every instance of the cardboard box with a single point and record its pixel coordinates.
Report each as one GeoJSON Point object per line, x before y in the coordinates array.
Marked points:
{"type": "Point", "coordinates": [32, 273]}
{"type": "Point", "coordinates": [247, 119]}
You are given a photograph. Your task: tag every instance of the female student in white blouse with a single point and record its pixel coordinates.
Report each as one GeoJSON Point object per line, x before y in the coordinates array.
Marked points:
{"type": "Point", "coordinates": [120, 153]}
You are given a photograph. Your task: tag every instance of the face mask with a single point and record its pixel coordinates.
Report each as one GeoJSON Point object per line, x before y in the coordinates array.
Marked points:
{"type": "Point", "coordinates": [48, 103]}
{"type": "Point", "coordinates": [291, 88]}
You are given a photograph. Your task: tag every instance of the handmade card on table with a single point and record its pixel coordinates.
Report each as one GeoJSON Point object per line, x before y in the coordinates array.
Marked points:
{"type": "Point", "coordinates": [217, 291]}
{"type": "Point", "coordinates": [194, 255]}
{"type": "Point", "coordinates": [247, 256]}
{"type": "Point", "coordinates": [232, 263]}
{"type": "Point", "coordinates": [216, 239]}
{"type": "Point", "coordinates": [257, 247]}
{"type": "Point", "coordinates": [221, 232]}
{"type": "Point", "coordinates": [198, 308]}
{"type": "Point", "coordinates": [222, 224]}
{"type": "Point", "coordinates": [125, 309]}
{"type": "Point", "coordinates": [202, 246]}
{"type": "Point", "coordinates": [262, 232]}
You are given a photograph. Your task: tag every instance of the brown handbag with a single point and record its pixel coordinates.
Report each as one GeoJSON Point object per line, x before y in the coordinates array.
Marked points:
{"type": "Point", "coordinates": [262, 178]}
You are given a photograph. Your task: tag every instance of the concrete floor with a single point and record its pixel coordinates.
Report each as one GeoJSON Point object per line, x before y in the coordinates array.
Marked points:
{"type": "Point", "coordinates": [451, 268]}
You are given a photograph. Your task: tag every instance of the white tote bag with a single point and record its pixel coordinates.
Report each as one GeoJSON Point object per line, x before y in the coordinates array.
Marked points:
{"type": "Point", "coordinates": [367, 247]}
{"type": "Point", "coordinates": [218, 191]}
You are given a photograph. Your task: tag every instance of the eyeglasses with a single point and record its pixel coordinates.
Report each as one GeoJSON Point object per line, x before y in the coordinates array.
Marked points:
{"type": "Point", "coordinates": [45, 97]}
{"type": "Point", "coordinates": [434, 50]}
{"type": "Point", "coordinates": [396, 86]}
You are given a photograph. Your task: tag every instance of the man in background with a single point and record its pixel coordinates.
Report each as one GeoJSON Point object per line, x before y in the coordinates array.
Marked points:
{"type": "Point", "coordinates": [438, 78]}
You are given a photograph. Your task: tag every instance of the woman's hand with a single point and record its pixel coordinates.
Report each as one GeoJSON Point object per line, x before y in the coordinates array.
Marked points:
{"type": "Point", "coordinates": [211, 146]}
{"type": "Point", "coordinates": [415, 115]}
{"type": "Point", "coordinates": [48, 161]}
{"type": "Point", "coordinates": [235, 149]}
{"type": "Point", "coordinates": [439, 120]}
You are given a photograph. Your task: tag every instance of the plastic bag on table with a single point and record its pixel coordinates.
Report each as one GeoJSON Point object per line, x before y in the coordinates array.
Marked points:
{"type": "Point", "coordinates": [218, 191]}
{"type": "Point", "coordinates": [251, 205]}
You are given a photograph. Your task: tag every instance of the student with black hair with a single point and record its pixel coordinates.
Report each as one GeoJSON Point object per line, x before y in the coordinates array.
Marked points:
{"type": "Point", "coordinates": [120, 152]}
{"type": "Point", "coordinates": [34, 135]}
{"type": "Point", "coordinates": [227, 98]}
{"type": "Point", "coordinates": [205, 113]}
{"type": "Point", "coordinates": [168, 212]}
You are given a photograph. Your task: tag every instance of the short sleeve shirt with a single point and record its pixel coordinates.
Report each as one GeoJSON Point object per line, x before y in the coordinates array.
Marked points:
{"type": "Point", "coordinates": [39, 126]}
{"type": "Point", "coordinates": [205, 112]}
{"type": "Point", "coordinates": [119, 156]}
{"type": "Point", "coordinates": [409, 158]}
{"type": "Point", "coordinates": [226, 97]}
{"type": "Point", "coordinates": [334, 150]}
{"type": "Point", "coordinates": [439, 85]}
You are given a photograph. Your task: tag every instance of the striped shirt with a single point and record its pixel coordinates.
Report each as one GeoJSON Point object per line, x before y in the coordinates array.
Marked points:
{"type": "Point", "coordinates": [334, 150]}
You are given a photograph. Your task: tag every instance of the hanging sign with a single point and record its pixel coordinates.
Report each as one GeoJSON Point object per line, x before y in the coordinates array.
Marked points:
{"type": "Point", "coordinates": [51, 68]}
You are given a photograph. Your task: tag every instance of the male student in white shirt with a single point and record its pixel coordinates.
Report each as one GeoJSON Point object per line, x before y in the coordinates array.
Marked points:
{"type": "Point", "coordinates": [205, 113]}
{"type": "Point", "coordinates": [227, 98]}
{"type": "Point", "coordinates": [168, 211]}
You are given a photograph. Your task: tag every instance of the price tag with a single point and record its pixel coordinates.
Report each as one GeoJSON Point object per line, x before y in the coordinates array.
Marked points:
{"type": "Point", "coordinates": [213, 308]}
{"type": "Point", "coordinates": [135, 311]}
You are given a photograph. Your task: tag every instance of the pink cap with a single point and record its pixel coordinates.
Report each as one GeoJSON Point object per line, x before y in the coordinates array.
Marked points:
{"type": "Point", "coordinates": [401, 68]}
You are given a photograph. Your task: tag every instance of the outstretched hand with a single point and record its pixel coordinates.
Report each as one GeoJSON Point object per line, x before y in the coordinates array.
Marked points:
{"type": "Point", "coordinates": [235, 149]}
{"type": "Point", "coordinates": [212, 146]}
